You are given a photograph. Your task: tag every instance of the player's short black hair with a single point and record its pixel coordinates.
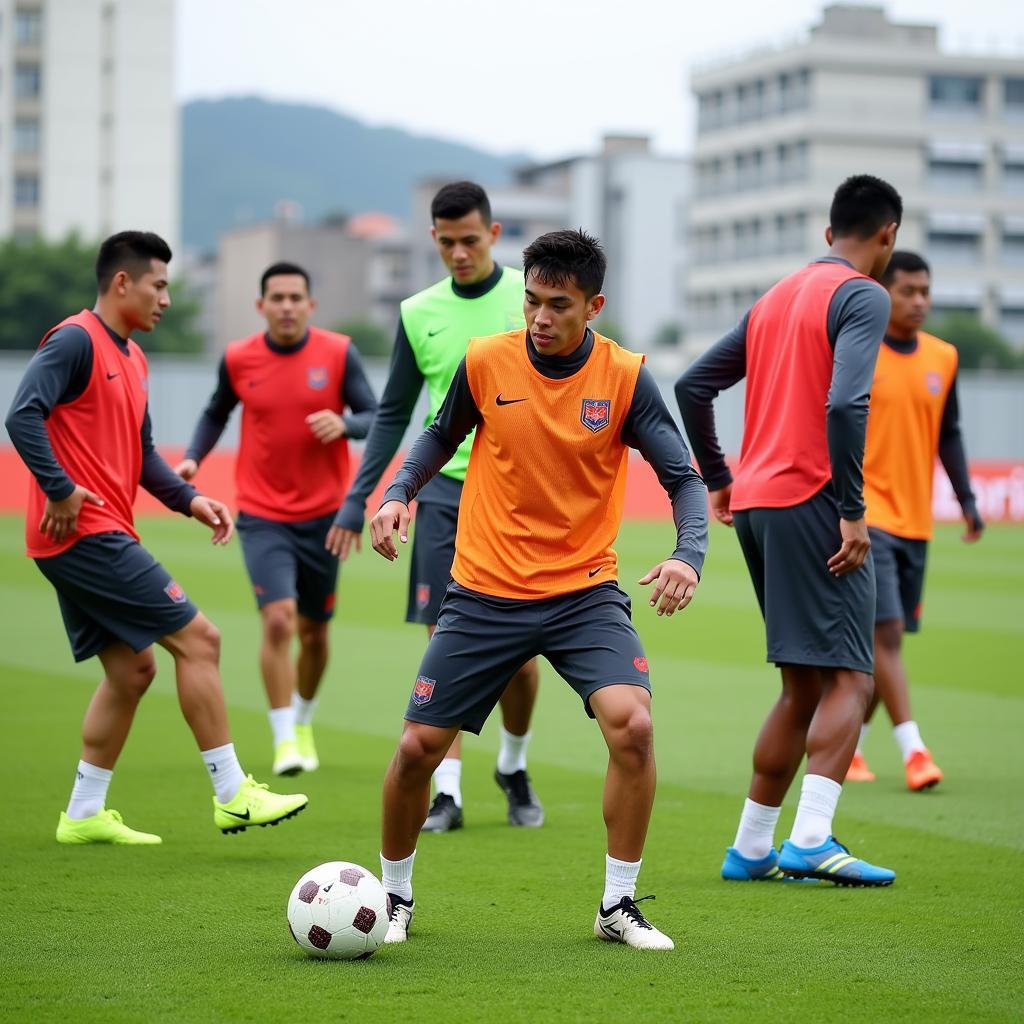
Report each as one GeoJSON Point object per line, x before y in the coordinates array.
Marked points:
{"type": "Point", "coordinates": [908, 262]}
{"type": "Point", "coordinates": [283, 267]}
{"type": "Point", "coordinates": [862, 205]}
{"type": "Point", "coordinates": [457, 199]}
{"type": "Point", "coordinates": [563, 257]}
{"type": "Point", "coordinates": [130, 251]}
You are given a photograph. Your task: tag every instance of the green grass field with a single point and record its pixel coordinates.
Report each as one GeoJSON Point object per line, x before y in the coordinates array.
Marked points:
{"type": "Point", "coordinates": [194, 930]}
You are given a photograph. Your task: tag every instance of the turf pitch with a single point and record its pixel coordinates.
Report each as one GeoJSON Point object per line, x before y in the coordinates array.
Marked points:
{"type": "Point", "coordinates": [195, 930]}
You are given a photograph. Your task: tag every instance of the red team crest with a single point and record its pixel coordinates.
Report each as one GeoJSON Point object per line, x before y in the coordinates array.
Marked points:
{"type": "Point", "coordinates": [175, 592]}
{"type": "Point", "coordinates": [423, 690]}
{"type": "Point", "coordinates": [934, 382]}
{"type": "Point", "coordinates": [422, 595]}
{"type": "Point", "coordinates": [596, 413]}
{"type": "Point", "coordinates": [640, 664]}
{"type": "Point", "coordinates": [316, 378]}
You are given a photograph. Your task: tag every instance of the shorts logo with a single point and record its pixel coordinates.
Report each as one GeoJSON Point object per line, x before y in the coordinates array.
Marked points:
{"type": "Point", "coordinates": [258, 590]}
{"type": "Point", "coordinates": [175, 593]}
{"type": "Point", "coordinates": [316, 378]}
{"type": "Point", "coordinates": [640, 664]}
{"type": "Point", "coordinates": [422, 595]}
{"type": "Point", "coordinates": [596, 413]}
{"type": "Point", "coordinates": [423, 690]}
{"type": "Point", "coordinates": [933, 381]}
{"type": "Point", "coordinates": [329, 602]}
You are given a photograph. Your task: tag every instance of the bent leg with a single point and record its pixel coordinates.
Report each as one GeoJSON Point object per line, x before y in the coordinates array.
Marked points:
{"type": "Point", "coordinates": [623, 712]}
{"type": "Point", "coordinates": [112, 708]}
{"type": "Point", "coordinates": [280, 623]}
{"type": "Point", "coordinates": [313, 651]}
{"type": "Point", "coordinates": [196, 653]}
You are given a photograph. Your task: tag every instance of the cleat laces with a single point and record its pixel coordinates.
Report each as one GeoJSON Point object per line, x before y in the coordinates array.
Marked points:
{"type": "Point", "coordinates": [634, 913]}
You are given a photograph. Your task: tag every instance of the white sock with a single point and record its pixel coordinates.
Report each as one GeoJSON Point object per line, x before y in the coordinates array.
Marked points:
{"type": "Point", "coordinates": [814, 813]}
{"type": "Point", "coordinates": [303, 709]}
{"type": "Point", "coordinates": [89, 792]}
{"type": "Point", "coordinates": [512, 755]}
{"type": "Point", "coordinates": [756, 835]}
{"type": "Point", "coordinates": [448, 779]}
{"type": "Point", "coordinates": [282, 723]}
{"type": "Point", "coordinates": [396, 876]}
{"type": "Point", "coordinates": [863, 736]}
{"type": "Point", "coordinates": [908, 736]}
{"type": "Point", "coordinates": [225, 772]}
{"type": "Point", "coordinates": [619, 880]}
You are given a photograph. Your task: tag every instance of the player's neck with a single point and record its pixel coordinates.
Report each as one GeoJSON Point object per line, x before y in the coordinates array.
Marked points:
{"type": "Point", "coordinates": [105, 310]}
{"type": "Point", "coordinates": [859, 257]}
{"type": "Point", "coordinates": [899, 333]}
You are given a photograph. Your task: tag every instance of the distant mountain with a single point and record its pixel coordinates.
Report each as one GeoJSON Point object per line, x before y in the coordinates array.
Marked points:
{"type": "Point", "coordinates": [240, 156]}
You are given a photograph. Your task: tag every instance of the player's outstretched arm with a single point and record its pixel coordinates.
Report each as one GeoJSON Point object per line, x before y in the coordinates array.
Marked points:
{"type": "Point", "coordinates": [391, 516]}
{"type": "Point", "coordinates": [214, 514]}
{"type": "Point", "coordinates": [674, 584]}
{"type": "Point", "coordinates": [211, 424]}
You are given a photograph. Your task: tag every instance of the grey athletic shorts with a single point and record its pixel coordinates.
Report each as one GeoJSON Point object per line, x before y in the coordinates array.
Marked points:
{"type": "Point", "coordinates": [112, 590]}
{"type": "Point", "coordinates": [481, 641]}
{"type": "Point", "coordinates": [899, 577]}
{"type": "Point", "coordinates": [433, 551]}
{"type": "Point", "coordinates": [289, 560]}
{"type": "Point", "coordinates": [811, 617]}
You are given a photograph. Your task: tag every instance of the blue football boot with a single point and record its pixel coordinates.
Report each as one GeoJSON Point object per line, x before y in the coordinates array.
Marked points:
{"type": "Point", "coordinates": [831, 862]}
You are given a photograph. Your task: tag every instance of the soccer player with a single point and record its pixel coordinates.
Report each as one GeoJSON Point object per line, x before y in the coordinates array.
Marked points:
{"type": "Point", "coordinates": [555, 407]}
{"type": "Point", "coordinates": [807, 349]}
{"type": "Point", "coordinates": [80, 421]}
{"type": "Point", "coordinates": [914, 414]}
{"type": "Point", "coordinates": [295, 383]}
{"type": "Point", "coordinates": [478, 298]}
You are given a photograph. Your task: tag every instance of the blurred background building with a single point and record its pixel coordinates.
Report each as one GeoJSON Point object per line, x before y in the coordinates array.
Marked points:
{"type": "Point", "coordinates": [779, 129]}
{"type": "Point", "coordinates": [88, 118]}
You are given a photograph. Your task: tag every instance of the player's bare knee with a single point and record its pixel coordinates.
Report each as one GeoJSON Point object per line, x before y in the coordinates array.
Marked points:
{"type": "Point", "coordinates": [203, 640]}
{"type": "Point", "coordinates": [634, 740]}
{"type": "Point", "coordinates": [417, 755]}
{"type": "Point", "coordinates": [313, 638]}
{"type": "Point", "coordinates": [889, 634]}
{"type": "Point", "coordinates": [279, 623]}
{"type": "Point", "coordinates": [134, 680]}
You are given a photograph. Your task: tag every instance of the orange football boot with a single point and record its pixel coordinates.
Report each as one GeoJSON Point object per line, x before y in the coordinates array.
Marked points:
{"type": "Point", "coordinates": [922, 771]}
{"type": "Point", "coordinates": [859, 770]}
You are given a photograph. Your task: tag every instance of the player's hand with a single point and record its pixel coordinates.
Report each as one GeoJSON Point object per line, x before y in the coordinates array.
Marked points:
{"type": "Point", "coordinates": [60, 518]}
{"type": "Point", "coordinates": [187, 468]}
{"type": "Point", "coordinates": [720, 504]}
{"type": "Point", "coordinates": [339, 541]}
{"type": "Point", "coordinates": [215, 515]}
{"type": "Point", "coordinates": [975, 528]}
{"type": "Point", "coordinates": [855, 547]}
{"type": "Point", "coordinates": [393, 515]}
{"type": "Point", "coordinates": [676, 582]}
{"type": "Point", "coordinates": [327, 426]}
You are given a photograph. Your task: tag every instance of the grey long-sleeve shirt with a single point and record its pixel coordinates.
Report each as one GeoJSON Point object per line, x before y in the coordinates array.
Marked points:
{"type": "Point", "coordinates": [648, 427]}
{"type": "Point", "coordinates": [857, 317]}
{"type": "Point", "coordinates": [356, 394]}
{"type": "Point", "coordinates": [58, 373]}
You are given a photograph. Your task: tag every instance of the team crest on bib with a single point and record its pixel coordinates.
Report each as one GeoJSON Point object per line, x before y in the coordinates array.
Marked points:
{"type": "Point", "coordinates": [316, 377]}
{"type": "Point", "coordinates": [175, 592]}
{"type": "Point", "coordinates": [423, 690]}
{"type": "Point", "coordinates": [596, 413]}
{"type": "Point", "coordinates": [933, 381]}
{"type": "Point", "coordinates": [422, 595]}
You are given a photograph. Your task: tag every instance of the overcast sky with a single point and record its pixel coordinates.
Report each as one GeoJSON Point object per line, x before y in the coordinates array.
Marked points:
{"type": "Point", "coordinates": [548, 77]}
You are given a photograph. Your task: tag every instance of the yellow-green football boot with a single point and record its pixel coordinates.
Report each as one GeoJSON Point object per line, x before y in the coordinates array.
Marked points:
{"type": "Point", "coordinates": [307, 748]}
{"type": "Point", "coordinates": [287, 760]}
{"type": "Point", "coordinates": [106, 826]}
{"type": "Point", "coordinates": [254, 804]}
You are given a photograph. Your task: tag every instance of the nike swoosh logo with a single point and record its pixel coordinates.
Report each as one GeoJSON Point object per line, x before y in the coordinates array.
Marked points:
{"type": "Point", "coordinates": [508, 401]}
{"type": "Point", "coordinates": [430, 334]}
{"type": "Point", "coordinates": [235, 814]}
{"type": "Point", "coordinates": [617, 932]}
{"type": "Point", "coordinates": [212, 767]}
{"type": "Point", "coordinates": [111, 376]}
{"type": "Point", "coordinates": [594, 572]}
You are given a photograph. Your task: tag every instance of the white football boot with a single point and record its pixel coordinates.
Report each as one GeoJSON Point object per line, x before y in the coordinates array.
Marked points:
{"type": "Point", "coordinates": [626, 923]}
{"type": "Point", "coordinates": [399, 918]}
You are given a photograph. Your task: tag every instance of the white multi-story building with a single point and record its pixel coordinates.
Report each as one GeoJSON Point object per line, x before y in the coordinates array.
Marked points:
{"type": "Point", "coordinates": [88, 120]}
{"type": "Point", "coordinates": [780, 129]}
{"type": "Point", "coordinates": [634, 200]}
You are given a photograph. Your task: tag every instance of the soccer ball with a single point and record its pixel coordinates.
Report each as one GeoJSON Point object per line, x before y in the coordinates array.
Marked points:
{"type": "Point", "coordinates": [338, 911]}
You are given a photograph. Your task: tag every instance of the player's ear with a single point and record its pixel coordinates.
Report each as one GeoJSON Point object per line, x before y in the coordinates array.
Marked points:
{"type": "Point", "coordinates": [259, 305]}
{"type": "Point", "coordinates": [495, 230]}
{"type": "Point", "coordinates": [828, 236]}
{"type": "Point", "coordinates": [595, 306]}
{"type": "Point", "coordinates": [312, 304]}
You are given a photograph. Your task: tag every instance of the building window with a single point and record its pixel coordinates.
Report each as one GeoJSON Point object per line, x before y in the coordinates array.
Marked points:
{"type": "Point", "coordinates": [957, 248]}
{"type": "Point", "coordinates": [26, 135]}
{"type": "Point", "coordinates": [1013, 176]}
{"type": "Point", "coordinates": [750, 101]}
{"type": "Point", "coordinates": [28, 27]}
{"type": "Point", "coordinates": [1012, 253]}
{"type": "Point", "coordinates": [790, 229]}
{"type": "Point", "coordinates": [26, 191]}
{"type": "Point", "coordinates": [1013, 98]}
{"type": "Point", "coordinates": [1011, 324]}
{"type": "Point", "coordinates": [955, 176]}
{"type": "Point", "coordinates": [27, 81]}
{"type": "Point", "coordinates": [749, 169]}
{"type": "Point", "coordinates": [709, 111]}
{"type": "Point", "coordinates": [791, 161]}
{"type": "Point", "coordinates": [955, 94]}
{"type": "Point", "coordinates": [794, 89]}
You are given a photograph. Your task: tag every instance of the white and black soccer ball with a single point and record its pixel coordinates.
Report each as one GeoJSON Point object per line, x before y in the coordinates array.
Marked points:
{"type": "Point", "coordinates": [338, 911]}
